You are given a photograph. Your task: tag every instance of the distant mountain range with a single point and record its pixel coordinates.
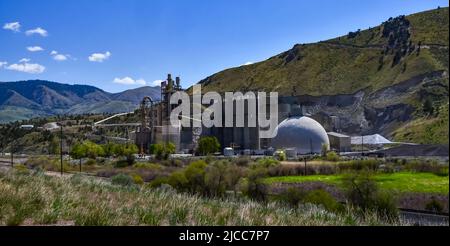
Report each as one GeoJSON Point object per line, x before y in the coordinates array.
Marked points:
{"type": "Point", "coordinates": [36, 98]}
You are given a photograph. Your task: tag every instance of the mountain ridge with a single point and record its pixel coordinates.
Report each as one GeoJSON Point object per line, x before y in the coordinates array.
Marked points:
{"type": "Point", "coordinates": [377, 57]}
{"type": "Point", "coordinates": [394, 76]}
{"type": "Point", "coordinates": [34, 98]}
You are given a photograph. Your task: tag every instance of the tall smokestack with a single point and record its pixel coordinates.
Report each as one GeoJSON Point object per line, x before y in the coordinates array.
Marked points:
{"type": "Point", "coordinates": [169, 81]}
{"type": "Point", "coordinates": [177, 82]}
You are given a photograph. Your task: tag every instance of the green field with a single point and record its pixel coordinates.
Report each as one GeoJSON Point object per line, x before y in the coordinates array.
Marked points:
{"type": "Point", "coordinates": [400, 182]}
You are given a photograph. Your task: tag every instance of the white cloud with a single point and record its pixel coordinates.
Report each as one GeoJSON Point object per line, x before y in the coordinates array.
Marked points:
{"type": "Point", "coordinates": [13, 26]}
{"type": "Point", "coordinates": [26, 67]}
{"type": "Point", "coordinates": [247, 63]}
{"type": "Point", "coordinates": [129, 81]}
{"type": "Point", "coordinates": [141, 82]}
{"type": "Point", "coordinates": [34, 48]}
{"type": "Point", "coordinates": [2, 63]}
{"type": "Point", "coordinates": [157, 82]}
{"type": "Point", "coordinates": [24, 60]}
{"type": "Point", "coordinates": [59, 57]}
{"type": "Point", "coordinates": [99, 57]}
{"type": "Point", "coordinates": [37, 30]}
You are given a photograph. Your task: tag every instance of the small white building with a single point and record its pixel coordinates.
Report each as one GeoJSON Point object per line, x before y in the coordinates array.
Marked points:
{"type": "Point", "coordinates": [228, 151]}
{"type": "Point", "coordinates": [27, 127]}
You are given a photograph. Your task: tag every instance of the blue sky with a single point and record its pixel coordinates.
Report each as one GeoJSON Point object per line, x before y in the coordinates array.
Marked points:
{"type": "Point", "coordinates": [123, 44]}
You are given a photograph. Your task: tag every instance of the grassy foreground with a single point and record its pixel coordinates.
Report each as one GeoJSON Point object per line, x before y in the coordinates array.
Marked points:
{"type": "Point", "coordinates": [400, 182]}
{"type": "Point", "coordinates": [27, 199]}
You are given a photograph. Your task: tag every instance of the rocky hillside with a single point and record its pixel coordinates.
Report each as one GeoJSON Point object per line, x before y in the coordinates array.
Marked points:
{"type": "Point", "coordinates": [37, 98]}
{"type": "Point", "coordinates": [394, 78]}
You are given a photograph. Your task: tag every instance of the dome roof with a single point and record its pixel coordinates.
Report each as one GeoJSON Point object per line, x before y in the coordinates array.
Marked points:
{"type": "Point", "coordinates": [302, 133]}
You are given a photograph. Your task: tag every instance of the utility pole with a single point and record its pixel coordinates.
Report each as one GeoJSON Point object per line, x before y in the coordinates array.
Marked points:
{"type": "Point", "coordinates": [362, 145]}
{"type": "Point", "coordinates": [305, 166]}
{"type": "Point", "coordinates": [61, 148]}
{"type": "Point", "coordinates": [12, 153]}
{"type": "Point", "coordinates": [362, 142]}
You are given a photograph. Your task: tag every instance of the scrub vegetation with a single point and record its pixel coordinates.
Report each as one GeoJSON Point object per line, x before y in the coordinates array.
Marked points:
{"type": "Point", "coordinates": [392, 184]}
{"type": "Point", "coordinates": [33, 198]}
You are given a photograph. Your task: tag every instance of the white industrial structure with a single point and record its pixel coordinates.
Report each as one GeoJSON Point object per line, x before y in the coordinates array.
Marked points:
{"type": "Point", "coordinates": [302, 134]}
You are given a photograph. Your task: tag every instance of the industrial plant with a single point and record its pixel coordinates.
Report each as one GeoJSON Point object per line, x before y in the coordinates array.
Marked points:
{"type": "Point", "coordinates": [297, 132]}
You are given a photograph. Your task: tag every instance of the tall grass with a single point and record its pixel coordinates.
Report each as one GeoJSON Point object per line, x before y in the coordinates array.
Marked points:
{"type": "Point", "coordinates": [78, 200]}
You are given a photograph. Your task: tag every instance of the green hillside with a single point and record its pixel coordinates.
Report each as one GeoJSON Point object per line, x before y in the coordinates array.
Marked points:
{"type": "Point", "coordinates": [12, 113]}
{"type": "Point", "coordinates": [369, 59]}
{"type": "Point", "coordinates": [426, 130]}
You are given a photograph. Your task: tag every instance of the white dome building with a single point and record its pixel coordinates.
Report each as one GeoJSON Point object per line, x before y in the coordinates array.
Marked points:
{"type": "Point", "coordinates": [300, 133]}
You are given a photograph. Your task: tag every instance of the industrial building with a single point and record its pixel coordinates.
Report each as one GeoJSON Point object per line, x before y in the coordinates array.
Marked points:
{"type": "Point", "coordinates": [296, 131]}
{"type": "Point", "coordinates": [301, 134]}
{"type": "Point", "coordinates": [339, 142]}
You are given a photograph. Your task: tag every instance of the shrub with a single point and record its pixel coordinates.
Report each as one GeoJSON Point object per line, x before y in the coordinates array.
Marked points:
{"type": "Point", "coordinates": [361, 189]}
{"type": "Point", "coordinates": [157, 182]}
{"type": "Point", "coordinates": [232, 176]}
{"type": "Point", "coordinates": [292, 170]}
{"type": "Point", "coordinates": [137, 179]}
{"type": "Point", "coordinates": [109, 149]}
{"type": "Point", "coordinates": [242, 161]}
{"type": "Point", "coordinates": [332, 156]}
{"type": "Point", "coordinates": [359, 165]}
{"type": "Point", "coordinates": [90, 162]}
{"type": "Point", "coordinates": [148, 166]}
{"type": "Point", "coordinates": [176, 163]}
{"type": "Point", "coordinates": [326, 169]}
{"type": "Point", "coordinates": [122, 179]}
{"type": "Point", "coordinates": [126, 150]}
{"type": "Point", "coordinates": [215, 181]}
{"type": "Point", "coordinates": [78, 151]}
{"type": "Point", "coordinates": [208, 145]}
{"type": "Point", "coordinates": [255, 188]}
{"type": "Point", "coordinates": [386, 207]}
{"type": "Point", "coordinates": [363, 192]}
{"type": "Point", "coordinates": [434, 205]}
{"type": "Point", "coordinates": [92, 150]}
{"type": "Point", "coordinates": [120, 164]}
{"type": "Point", "coordinates": [280, 155]}
{"type": "Point", "coordinates": [178, 180]}
{"type": "Point", "coordinates": [46, 163]}
{"type": "Point", "coordinates": [292, 196]}
{"type": "Point", "coordinates": [427, 166]}
{"type": "Point", "coordinates": [323, 198]}
{"type": "Point", "coordinates": [388, 168]}
{"type": "Point", "coordinates": [209, 159]}
{"type": "Point", "coordinates": [107, 172]}
{"type": "Point", "coordinates": [268, 162]}
{"type": "Point", "coordinates": [157, 150]}
{"type": "Point", "coordinates": [195, 175]}
{"type": "Point", "coordinates": [324, 150]}
{"type": "Point", "coordinates": [170, 148]}
{"type": "Point", "coordinates": [162, 151]}
{"type": "Point", "coordinates": [21, 169]}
